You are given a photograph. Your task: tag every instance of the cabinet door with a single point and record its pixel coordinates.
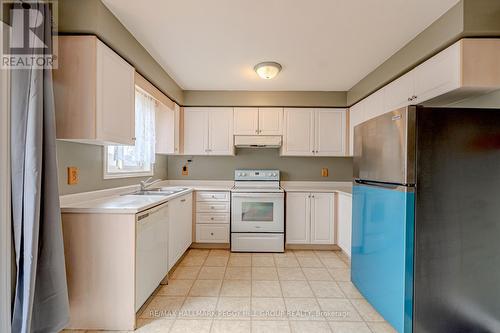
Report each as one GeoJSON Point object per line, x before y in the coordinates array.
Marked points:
{"type": "Point", "coordinates": [115, 98]}
{"type": "Point", "coordinates": [165, 129]}
{"type": "Point", "coordinates": [322, 218]}
{"type": "Point", "coordinates": [356, 117]}
{"type": "Point", "coordinates": [398, 92]}
{"type": "Point", "coordinates": [195, 131]}
{"type": "Point", "coordinates": [180, 227]}
{"type": "Point", "coordinates": [438, 75]}
{"type": "Point", "coordinates": [298, 134]}
{"type": "Point", "coordinates": [270, 121]}
{"type": "Point", "coordinates": [298, 222]}
{"type": "Point", "coordinates": [186, 220]}
{"type": "Point", "coordinates": [221, 131]}
{"type": "Point", "coordinates": [344, 214]}
{"type": "Point", "coordinates": [374, 104]}
{"type": "Point", "coordinates": [246, 121]}
{"type": "Point", "coordinates": [330, 132]}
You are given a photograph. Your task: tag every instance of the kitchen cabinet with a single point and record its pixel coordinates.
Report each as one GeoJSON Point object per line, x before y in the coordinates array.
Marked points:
{"type": "Point", "coordinates": [344, 222]}
{"type": "Point", "coordinates": [356, 117]}
{"type": "Point", "coordinates": [167, 122]}
{"type": "Point", "coordinates": [258, 121]}
{"type": "Point", "coordinates": [180, 233]}
{"type": "Point", "coordinates": [314, 132]}
{"type": "Point", "coordinates": [310, 218]}
{"type": "Point", "coordinates": [208, 131]}
{"type": "Point", "coordinates": [212, 216]}
{"type": "Point", "coordinates": [94, 93]}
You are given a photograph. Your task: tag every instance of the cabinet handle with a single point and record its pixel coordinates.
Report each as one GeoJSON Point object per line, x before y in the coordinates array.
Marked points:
{"type": "Point", "coordinates": [414, 97]}
{"type": "Point", "coordinates": [410, 99]}
{"type": "Point", "coordinates": [211, 234]}
{"type": "Point", "coordinates": [212, 218]}
{"type": "Point", "coordinates": [212, 207]}
{"type": "Point", "coordinates": [133, 139]}
{"type": "Point", "coordinates": [183, 200]}
{"type": "Point", "coordinates": [213, 196]}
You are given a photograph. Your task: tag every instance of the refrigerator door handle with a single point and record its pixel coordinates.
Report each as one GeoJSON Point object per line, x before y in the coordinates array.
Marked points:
{"type": "Point", "coordinates": [389, 186]}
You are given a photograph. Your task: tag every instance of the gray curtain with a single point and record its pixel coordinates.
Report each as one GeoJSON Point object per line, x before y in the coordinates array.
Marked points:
{"type": "Point", "coordinates": [41, 297]}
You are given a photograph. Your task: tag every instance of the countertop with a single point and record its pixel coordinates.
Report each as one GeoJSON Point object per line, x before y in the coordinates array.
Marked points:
{"type": "Point", "coordinates": [327, 187]}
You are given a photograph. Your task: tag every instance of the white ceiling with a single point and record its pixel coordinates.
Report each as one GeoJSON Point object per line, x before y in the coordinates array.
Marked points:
{"type": "Point", "coordinates": [322, 44]}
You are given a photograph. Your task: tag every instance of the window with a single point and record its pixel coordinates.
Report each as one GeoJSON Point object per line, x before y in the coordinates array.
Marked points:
{"type": "Point", "coordinates": [137, 160]}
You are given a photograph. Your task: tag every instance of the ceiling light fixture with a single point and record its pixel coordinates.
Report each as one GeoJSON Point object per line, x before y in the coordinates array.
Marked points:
{"type": "Point", "coordinates": [267, 70]}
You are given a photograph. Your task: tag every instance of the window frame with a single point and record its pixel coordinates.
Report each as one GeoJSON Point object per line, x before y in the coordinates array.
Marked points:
{"type": "Point", "coordinates": [124, 174]}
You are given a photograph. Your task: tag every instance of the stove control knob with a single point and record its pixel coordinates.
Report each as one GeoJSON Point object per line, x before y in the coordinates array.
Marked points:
{"type": "Point", "coordinates": [274, 174]}
{"type": "Point", "coordinates": [243, 174]}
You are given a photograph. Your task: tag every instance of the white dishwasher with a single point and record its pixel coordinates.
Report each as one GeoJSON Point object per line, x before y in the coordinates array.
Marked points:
{"type": "Point", "coordinates": [151, 264]}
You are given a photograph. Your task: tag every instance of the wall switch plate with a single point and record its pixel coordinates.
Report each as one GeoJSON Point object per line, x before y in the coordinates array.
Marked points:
{"type": "Point", "coordinates": [73, 175]}
{"type": "Point", "coordinates": [185, 171]}
{"type": "Point", "coordinates": [324, 172]}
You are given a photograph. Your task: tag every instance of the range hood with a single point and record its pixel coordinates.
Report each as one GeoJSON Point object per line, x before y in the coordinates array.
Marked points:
{"type": "Point", "coordinates": [257, 141]}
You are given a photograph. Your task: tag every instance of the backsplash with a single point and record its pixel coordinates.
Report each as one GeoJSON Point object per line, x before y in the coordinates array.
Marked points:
{"type": "Point", "coordinates": [292, 168]}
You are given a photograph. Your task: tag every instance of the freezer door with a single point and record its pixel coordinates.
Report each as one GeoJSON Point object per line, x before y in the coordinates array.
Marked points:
{"type": "Point", "coordinates": [384, 148]}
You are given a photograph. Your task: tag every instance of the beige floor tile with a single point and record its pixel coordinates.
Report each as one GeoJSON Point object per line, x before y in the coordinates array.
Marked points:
{"type": "Point", "coordinates": [198, 307]}
{"type": "Point", "coordinates": [290, 274]}
{"type": "Point", "coordinates": [270, 326]}
{"type": "Point", "coordinates": [231, 326]}
{"type": "Point", "coordinates": [303, 309]}
{"type": "Point", "coordinates": [236, 288]}
{"type": "Point", "coordinates": [211, 273]}
{"type": "Point", "coordinates": [304, 254]}
{"type": "Point", "coordinates": [191, 325]}
{"type": "Point", "coordinates": [263, 261]}
{"type": "Point", "coordinates": [308, 326]}
{"type": "Point", "coordinates": [326, 289]}
{"type": "Point", "coordinates": [157, 325]}
{"type": "Point", "coordinates": [192, 261]}
{"type": "Point", "coordinates": [340, 274]}
{"type": "Point", "coordinates": [326, 253]}
{"type": "Point", "coordinates": [197, 253]}
{"type": "Point", "coordinates": [162, 306]}
{"type": "Point", "coordinates": [205, 288]}
{"type": "Point", "coordinates": [103, 331]}
{"type": "Point", "coordinates": [265, 308]}
{"type": "Point", "coordinates": [296, 289]}
{"type": "Point", "coordinates": [214, 261]}
{"type": "Point", "coordinates": [264, 273]}
{"type": "Point", "coordinates": [287, 262]}
{"type": "Point", "coordinates": [381, 328]}
{"type": "Point", "coordinates": [240, 261]}
{"type": "Point", "coordinates": [317, 274]}
{"type": "Point", "coordinates": [219, 253]}
{"type": "Point", "coordinates": [185, 273]}
{"type": "Point", "coordinates": [348, 327]}
{"type": "Point", "coordinates": [366, 310]}
{"type": "Point", "coordinates": [287, 254]}
{"type": "Point", "coordinates": [350, 290]}
{"type": "Point", "coordinates": [309, 262]}
{"type": "Point", "coordinates": [76, 331]}
{"type": "Point", "coordinates": [339, 309]}
{"type": "Point", "coordinates": [234, 308]}
{"type": "Point", "coordinates": [176, 288]}
{"type": "Point", "coordinates": [238, 273]}
{"type": "Point", "coordinates": [266, 289]}
{"type": "Point", "coordinates": [333, 262]}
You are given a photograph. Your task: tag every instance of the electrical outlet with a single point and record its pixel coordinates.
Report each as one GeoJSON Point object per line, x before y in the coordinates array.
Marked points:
{"type": "Point", "coordinates": [73, 175]}
{"type": "Point", "coordinates": [185, 171]}
{"type": "Point", "coordinates": [324, 172]}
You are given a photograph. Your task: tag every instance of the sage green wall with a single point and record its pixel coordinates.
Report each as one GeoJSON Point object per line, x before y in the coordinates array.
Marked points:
{"type": "Point", "coordinates": [89, 160]}
{"type": "Point", "coordinates": [265, 98]}
{"type": "Point", "coordinates": [93, 17]}
{"type": "Point", "coordinates": [292, 168]}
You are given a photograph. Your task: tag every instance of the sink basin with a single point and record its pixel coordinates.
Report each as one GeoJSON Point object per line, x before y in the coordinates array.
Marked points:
{"type": "Point", "coordinates": [160, 191]}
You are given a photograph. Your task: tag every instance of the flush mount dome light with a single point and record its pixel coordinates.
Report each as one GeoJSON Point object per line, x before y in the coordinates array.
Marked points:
{"type": "Point", "coordinates": [267, 70]}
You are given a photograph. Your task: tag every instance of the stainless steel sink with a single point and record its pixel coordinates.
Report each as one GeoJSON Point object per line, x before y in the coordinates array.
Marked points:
{"type": "Point", "coordinates": [160, 191]}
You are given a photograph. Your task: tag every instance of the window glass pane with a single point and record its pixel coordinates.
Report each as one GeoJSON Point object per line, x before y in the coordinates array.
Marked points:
{"type": "Point", "coordinates": [257, 211]}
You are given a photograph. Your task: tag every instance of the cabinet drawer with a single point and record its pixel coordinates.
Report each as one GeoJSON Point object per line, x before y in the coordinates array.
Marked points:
{"type": "Point", "coordinates": [212, 233]}
{"type": "Point", "coordinates": [212, 218]}
{"type": "Point", "coordinates": [206, 207]}
{"type": "Point", "coordinates": [212, 196]}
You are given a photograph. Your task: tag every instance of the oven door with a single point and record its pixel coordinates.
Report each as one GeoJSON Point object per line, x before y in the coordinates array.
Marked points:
{"type": "Point", "coordinates": [257, 212]}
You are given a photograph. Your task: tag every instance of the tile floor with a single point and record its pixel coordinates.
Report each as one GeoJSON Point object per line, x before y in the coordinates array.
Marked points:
{"type": "Point", "coordinates": [297, 291]}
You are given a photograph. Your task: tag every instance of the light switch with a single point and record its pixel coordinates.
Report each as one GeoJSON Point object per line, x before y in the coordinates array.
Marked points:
{"type": "Point", "coordinates": [324, 172]}
{"type": "Point", "coordinates": [73, 175]}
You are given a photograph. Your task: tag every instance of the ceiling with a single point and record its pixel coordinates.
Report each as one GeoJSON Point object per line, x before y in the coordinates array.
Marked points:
{"type": "Point", "coordinates": [323, 45]}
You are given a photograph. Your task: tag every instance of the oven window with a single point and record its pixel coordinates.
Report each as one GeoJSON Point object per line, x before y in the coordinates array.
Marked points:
{"type": "Point", "coordinates": [257, 211]}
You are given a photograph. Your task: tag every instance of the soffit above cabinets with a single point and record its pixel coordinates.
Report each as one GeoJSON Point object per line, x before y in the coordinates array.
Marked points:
{"type": "Point", "coordinates": [323, 45]}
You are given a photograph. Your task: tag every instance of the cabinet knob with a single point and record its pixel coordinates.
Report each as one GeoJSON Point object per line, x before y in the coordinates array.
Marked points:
{"type": "Point", "coordinates": [414, 97]}
{"type": "Point", "coordinates": [212, 207]}
{"type": "Point", "coordinates": [410, 99]}
{"type": "Point", "coordinates": [133, 139]}
{"type": "Point", "coordinates": [212, 218]}
{"type": "Point", "coordinates": [211, 233]}
{"type": "Point", "coordinates": [183, 200]}
{"type": "Point", "coordinates": [213, 196]}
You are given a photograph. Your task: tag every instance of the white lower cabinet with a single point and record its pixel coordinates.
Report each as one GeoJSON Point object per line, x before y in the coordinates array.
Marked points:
{"type": "Point", "coordinates": [344, 222]}
{"type": "Point", "coordinates": [310, 218]}
{"type": "Point", "coordinates": [212, 216]}
{"type": "Point", "coordinates": [180, 233]}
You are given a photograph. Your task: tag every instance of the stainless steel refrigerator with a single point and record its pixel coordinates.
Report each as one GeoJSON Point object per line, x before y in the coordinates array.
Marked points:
{"type": "Point", "coordinates": [426, 218]}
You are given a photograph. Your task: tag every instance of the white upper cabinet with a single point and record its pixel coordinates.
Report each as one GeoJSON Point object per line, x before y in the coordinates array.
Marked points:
{"type": "Point", "coordinates": [398, 93]}
{"type": "Point", "coordinates": [314, 132]}
{"type": "Point", "coordinates": [330, 132]}
{"type": "Point", "coordinates": [208, 131]}
{"type": "Point", "coordinates": [246, 121]}
{"type": "Point", "coordinates": [167, 123]}
{"type": "Point", "coordinates": [356, 117]}
{"type": "Point", "coordinates": [298, 132]}
{"type": "Point", "coordinates": [258, 121]}
{"type": "Point", "coordinates": [94, 93]}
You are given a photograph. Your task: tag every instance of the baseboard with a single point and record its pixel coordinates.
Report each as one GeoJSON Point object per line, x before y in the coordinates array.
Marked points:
{"type": "Point", "coordinates": [210, 246]}
{"type": "Point", "coordinates": [320, 247]}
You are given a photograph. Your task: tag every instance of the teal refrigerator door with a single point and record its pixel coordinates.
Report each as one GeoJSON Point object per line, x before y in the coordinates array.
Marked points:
{"type": "Point", "coordinates": [382, 251]}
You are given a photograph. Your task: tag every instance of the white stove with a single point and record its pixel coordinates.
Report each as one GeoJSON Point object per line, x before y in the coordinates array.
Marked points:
{"type": "Point", "coordinates": [257, 212]}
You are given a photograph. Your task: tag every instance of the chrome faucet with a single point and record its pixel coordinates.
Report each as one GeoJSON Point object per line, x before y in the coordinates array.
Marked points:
{"type": "Point", "coordinates": [146, 183]}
